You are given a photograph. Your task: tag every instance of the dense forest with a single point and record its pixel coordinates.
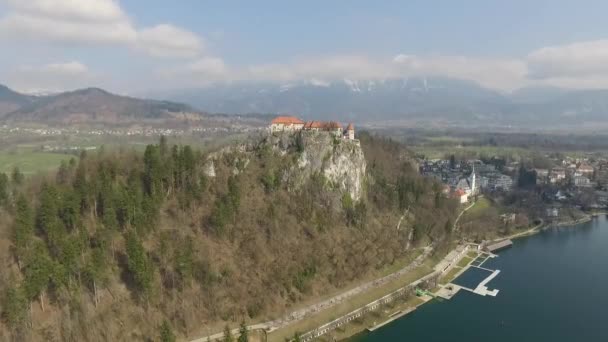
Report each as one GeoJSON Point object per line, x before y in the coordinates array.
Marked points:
{"type": "Point", "coordinates": [124, 245]}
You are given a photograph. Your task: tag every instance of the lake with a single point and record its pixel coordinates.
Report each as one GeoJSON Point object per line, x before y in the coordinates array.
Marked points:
{"type": "Point", "coordinates": [553, 287]}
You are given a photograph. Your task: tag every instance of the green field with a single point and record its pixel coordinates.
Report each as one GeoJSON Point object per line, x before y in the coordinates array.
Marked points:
{"type": "Point", "coordinates": [464, 261]}
{"type": "Point", "coordinates": [443, 150]}
{"type": "Point", "coordinates": [480, 206]}
{"type": "Point", "coordinates": [30, 162]}
{"type": "Point", "coordinates": [448, 277]}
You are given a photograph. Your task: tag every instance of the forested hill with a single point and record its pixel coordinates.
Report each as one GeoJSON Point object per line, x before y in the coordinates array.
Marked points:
{"type": "Point", "coordinates": [116, 243]}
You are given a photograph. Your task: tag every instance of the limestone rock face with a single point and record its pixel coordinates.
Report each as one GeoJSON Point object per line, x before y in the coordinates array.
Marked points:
{"type": "Point", "coordinates": [340, 161]}
{"type": "Point", "coordinates": [209, 169]}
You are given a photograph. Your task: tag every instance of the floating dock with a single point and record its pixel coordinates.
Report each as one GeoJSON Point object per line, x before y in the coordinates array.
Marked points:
{"type": "Point", "coordinates": [499, 245]}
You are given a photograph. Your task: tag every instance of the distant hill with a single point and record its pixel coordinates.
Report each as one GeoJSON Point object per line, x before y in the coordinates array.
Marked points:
{"type": "Point", "coordinates": [423, 99]}
{"type": "Point", "coordinates": [91, 105]}
{"type": "Point", "coordinates": [11, 100]}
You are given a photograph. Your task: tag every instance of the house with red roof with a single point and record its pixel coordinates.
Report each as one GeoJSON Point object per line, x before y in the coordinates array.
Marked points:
{"type": "Point", "coordinates": [286, 123]}
{"type": "Point", "coordinates": [461, 196]}
{"type": "Point", "coordinates": [293, 124]}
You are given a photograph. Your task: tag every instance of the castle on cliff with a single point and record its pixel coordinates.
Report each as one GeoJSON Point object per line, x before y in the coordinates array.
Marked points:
{"type": "Point", "coordinates": [293, 124]}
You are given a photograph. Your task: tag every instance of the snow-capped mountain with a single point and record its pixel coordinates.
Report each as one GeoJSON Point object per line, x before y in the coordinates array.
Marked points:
{"type": "Point", "coordinates": [419, 99]}
{"type": "Point", "coordinates": [346, 99]}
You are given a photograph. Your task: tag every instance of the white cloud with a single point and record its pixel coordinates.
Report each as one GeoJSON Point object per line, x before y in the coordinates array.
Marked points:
{"type": "Point", "coordinates": [40, 28]}
{"type": "Point", "coordinates": [202, 71]}
{"type": "Point", "coordinates": [67, 68]}
{"type": "Point", "coordinates": [321, 69]}
{"type": "Point", "coordinates": [166, 40]}
{"type": "Point", "coordinates": [504, 74]}
{"type": "Point", "coordinates": [93, 22]}
{"type": "Point", "coordinates": [51, 77]}
{"type": "Point", "coordinates": [582, 59]}
{"type": "Point", "coordinates": [86, 10]}
{"type": "Point", "coordinates": [208, 66]}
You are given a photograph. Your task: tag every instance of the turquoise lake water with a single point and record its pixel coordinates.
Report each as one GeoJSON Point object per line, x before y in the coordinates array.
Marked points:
{"type": "Point", "coordinates": [553, 287]}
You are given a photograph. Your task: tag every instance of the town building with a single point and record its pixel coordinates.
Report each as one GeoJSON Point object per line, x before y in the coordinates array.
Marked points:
{"type": "Point", "coordinates": [500, 182]}
{"type": "Point", "coordinates": [461, 196]}
{"type": "Point", "coordinates": [581, 181]}
{"type": "Point", "coordinates": [557, 175]}
{"type": "Point", "coordinates": [508, 218]}
{"type": "Point", "coordinates": [553, 212]}
{"type": "Point", "coordinates": [585, 169]}
{"type": "Point", "coordinates": [542, 176]}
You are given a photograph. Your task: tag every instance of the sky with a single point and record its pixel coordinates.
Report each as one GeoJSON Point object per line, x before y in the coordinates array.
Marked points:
{"type": "Point", "coordinates": [134, 46]}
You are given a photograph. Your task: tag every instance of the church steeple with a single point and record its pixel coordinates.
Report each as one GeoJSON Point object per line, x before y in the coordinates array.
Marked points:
{"type": "Point", "coordinates": [473, 189]}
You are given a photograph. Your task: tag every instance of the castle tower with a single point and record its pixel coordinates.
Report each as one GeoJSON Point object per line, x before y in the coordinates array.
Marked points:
{"type": "Point", "coordinates": [350, 132]}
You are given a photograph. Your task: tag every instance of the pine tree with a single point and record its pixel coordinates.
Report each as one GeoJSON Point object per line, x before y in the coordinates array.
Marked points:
{"type": "Point", "coordinates": [227, 335]}
{"type": "Point", "coordinates": [243, 333]}
{"type": "Point", "coordinates": [17, 176]}
{"type": "Point", "coordinates": [3, 189]}
{"type": "Point", "coordinates": [48, 218]}
{"type": "Point", "coordinates": [184, 259]}
{"type": "Point", "coordinates": [139, 264]}
{"type": "Point", "coordinates": [39, 269]}
{"type": "Point", "coordinates": [14, 306]}
{"type": "Point", "coordinates": [163, 146]}
{"type": "Point", "coordinates": [23, 227]}
{"type": "Point", "coordinates": [152, 171]}
{"type": "Point", "coordinates": [166, 334]}
{"type": "Point", "coordinates": [96, 271]}
{"type": "Point", "coordinates": [63, 173]}
{"type": "Point", "coordinates": [81, 187]}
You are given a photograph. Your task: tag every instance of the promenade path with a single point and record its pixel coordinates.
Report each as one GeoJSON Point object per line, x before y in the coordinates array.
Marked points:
{"type": "Point", "coordinates": [328, 303]}
{"type": "Point", "coordinates": [333, 301]}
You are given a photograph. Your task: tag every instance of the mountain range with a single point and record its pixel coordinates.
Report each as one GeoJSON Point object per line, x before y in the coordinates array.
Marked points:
{"type": "Point", "coordinates": [395, 102]}
{"type": "Point", "coordinates": [421, 100]}
{"type": "Point", "coordinates": [91, 105]}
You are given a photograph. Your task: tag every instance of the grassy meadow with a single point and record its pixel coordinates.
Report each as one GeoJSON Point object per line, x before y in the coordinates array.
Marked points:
{"type": "Point", "coordinates": [30, 162]}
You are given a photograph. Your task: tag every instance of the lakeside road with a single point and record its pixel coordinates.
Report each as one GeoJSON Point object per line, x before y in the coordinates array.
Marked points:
{"type": "Point", "coordinates": [536, 229]}
{"type": "Point", "coordinates": [313, 309]}
{"type": "Point", "coordinates": [328, 303]}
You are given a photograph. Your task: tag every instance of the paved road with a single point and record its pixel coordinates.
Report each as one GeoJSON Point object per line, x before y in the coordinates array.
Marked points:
{"type": "Point", "coordinates": [313, 309]}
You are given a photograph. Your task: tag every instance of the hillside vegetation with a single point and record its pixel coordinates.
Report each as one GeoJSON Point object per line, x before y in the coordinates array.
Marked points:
{"type": "Point", "coordinates": [123, 245]}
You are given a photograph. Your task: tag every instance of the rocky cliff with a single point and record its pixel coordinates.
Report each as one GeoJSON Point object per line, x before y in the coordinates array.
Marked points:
{"type": "Point", "coordinates": [341, 162]}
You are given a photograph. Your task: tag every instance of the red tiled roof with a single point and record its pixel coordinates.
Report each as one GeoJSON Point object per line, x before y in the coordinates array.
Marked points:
{"type": "Point", "coordinates": [287, 120]}
{"type": "Point", "coordinates": [322, 125]}
{"type": "Point", "coordinates": [313, 124]}
{"type": "Point", "coordinates": [350, 127]}
{"type": "Point", "coordinates": [333, 125]}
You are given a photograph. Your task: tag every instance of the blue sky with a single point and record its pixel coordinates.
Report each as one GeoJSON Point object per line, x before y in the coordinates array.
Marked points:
{"type": "Point", "coordinates": [131, 46]}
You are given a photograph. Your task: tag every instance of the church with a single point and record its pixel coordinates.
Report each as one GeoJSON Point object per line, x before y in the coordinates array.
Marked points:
{"type": "Point", "coordinates": [468, 184]}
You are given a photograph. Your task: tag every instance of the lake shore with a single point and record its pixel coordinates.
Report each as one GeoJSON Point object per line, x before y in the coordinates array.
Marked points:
{"type": "Point", "coordinates": [532, 231]}
{"type": "Point", "coordinates": [514, 314]}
